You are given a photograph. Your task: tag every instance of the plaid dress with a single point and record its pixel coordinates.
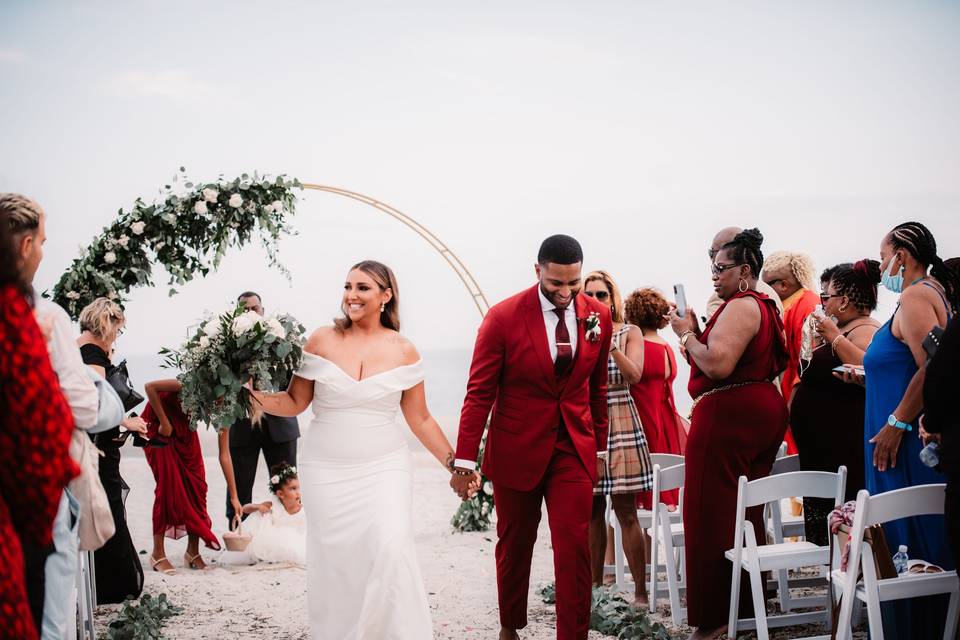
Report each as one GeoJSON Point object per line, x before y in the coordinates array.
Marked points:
{"type": "Point", "coordinates": [629, 469]}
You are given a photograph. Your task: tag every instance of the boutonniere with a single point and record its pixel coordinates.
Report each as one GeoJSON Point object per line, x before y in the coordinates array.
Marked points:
{"type": "Point", "coordinates": [591, 326]}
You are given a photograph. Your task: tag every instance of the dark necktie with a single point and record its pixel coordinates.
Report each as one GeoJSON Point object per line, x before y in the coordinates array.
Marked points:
{"type": "Point", "coordinates": [564, 349]}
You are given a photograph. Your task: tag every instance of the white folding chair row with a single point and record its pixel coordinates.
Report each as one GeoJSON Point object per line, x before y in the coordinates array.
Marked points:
{"type": "Point", "coordinates": [871, 590]}
{"type": "Point", "coordinates": [645, 518]}
{"type": "Point", "coordinates": [667, 537]}
{"type": "Point", "coordinates": [748, 555]}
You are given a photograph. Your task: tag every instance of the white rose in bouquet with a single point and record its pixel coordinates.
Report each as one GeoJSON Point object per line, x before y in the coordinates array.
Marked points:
{"type": "Point", "coordinates": [274, 327]}
{"type": "Point", "coordinates": [210, 195]}
{"type": "Point", "coordinates": [123, 241]}
{"type": "Point", "coordinates": [244, 322]}
{"type": "Point", "coordinates": [200, 207]}
{"type": "Point", "coordinates": [204, 342]}
{"type": "Point", "coordinates": [109, 257]}
{"type": "Point", "coordinates": [212, 327]}
{"type": "Point", "coordinates": [277, 206]}
{"type": "Point", "coordinates": [138, 227]}
{"type": "Point", "coordinates": [235, 201]}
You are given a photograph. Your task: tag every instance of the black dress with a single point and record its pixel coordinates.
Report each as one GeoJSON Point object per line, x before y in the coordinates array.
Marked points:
{"type": "Point", "coordinates": [118, 569]}
{"type": "Point", "coordinates": [827, 422]}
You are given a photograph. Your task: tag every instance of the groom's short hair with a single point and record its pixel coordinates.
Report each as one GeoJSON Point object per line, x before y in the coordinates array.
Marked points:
{"type": "Point", "coordinates": [560, 249]}
{"type": "Point", "coordinates": [249, 294]}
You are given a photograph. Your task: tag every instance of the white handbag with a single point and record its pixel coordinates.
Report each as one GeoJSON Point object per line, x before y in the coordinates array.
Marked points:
{"type": "Point", "coordinates": [96, 520]}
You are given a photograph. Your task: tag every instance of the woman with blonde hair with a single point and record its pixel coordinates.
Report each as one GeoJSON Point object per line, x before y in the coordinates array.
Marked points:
{"type": "Point", "coordinates": [119, 573]}
{"type": "Point", "coordinates": [629, 470]}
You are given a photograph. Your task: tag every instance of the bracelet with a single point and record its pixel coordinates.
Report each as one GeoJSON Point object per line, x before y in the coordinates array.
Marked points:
{"type": "Point", "coordinates": [686, 336]}
{"type": "Point", "coordinates": [833, 344]}
{"type": "Point", "coordinates": [462, 472]}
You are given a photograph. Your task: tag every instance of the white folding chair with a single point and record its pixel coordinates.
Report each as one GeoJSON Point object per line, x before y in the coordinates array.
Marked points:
{"type": "Point", "coordinates": [86, 596]}
{"type": "Point", "coordinates": [645, 518]}
{"type": "Point", "coordinates": [755, 559]}
{"type": "Point", "coordinates": [919, 500]}
{"type": "Point", "coordinates": [667, 530]}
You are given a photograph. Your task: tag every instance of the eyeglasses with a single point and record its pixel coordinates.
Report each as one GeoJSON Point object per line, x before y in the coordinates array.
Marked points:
{"type": "Point", "coordinates": [720, 268]}
{"type": "Point", "coordinates": [599, 295]}
{"type": "Point", "coordinates": [825, 297]}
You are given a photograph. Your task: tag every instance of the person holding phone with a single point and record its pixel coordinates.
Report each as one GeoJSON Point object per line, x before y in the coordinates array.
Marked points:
{"type": "Point", "coordinates": [737, 423]}
{"type": "Point", "coordinates": [826, 415]}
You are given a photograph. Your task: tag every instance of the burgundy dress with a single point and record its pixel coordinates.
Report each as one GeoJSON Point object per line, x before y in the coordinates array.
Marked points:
{"type": "Point", "coordinates": [653, 396]}
{"type": "Point", "coordinates": [35, 466]}
{"type": "Point", "coordinates": [180, 499]}
{"type": "Point", "coordinates": [735, 430]}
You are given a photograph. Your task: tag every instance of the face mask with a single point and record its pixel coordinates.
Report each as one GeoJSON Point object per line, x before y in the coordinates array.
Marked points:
{"type": "Point", "coordinates": [892, 282]}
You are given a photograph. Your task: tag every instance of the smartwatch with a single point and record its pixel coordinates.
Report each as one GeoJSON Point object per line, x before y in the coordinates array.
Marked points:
{"type": "Point", "coordinates": [893, 422]}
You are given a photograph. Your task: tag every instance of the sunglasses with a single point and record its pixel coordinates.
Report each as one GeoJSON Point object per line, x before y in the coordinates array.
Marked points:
{"type": "Point", "coordinates": [922, 567]}
{"type": "Point", "coordinates": [825, 297]}
{"type": "Point", "coordinates": [720, 268]}
{"type": "Point", "coordinates": [599, 295]}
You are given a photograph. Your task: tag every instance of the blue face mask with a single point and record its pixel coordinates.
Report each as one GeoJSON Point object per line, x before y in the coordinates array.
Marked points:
{"type": "Point", "coordinates": [893, 283]}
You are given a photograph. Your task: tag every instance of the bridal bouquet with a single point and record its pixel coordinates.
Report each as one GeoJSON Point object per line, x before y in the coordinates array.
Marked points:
{"type": "Point", "coordinates": [224, 354]}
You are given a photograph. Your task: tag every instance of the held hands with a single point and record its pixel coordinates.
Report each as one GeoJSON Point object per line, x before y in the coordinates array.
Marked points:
{"type": "Point", "coordinates": [134, 423]}
{"type": "Point", "coordinates": [887, 443]}
{"type": "Point", "coordinates": [265, 507]}
{"type": "Point", "coordinates": [465, 486]}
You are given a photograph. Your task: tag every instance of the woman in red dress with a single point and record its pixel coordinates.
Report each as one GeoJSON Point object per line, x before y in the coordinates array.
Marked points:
{"type": "Point", "coordinates": [653, 394]}
{"type": "Point", "coordinates": [35, 428]}
{"type": "Point", "coordinates": [738, 422]}
{"type": "Point", "coordinates": [180, 499]}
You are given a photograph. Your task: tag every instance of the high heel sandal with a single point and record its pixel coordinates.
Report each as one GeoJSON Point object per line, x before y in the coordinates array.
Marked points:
{"type": "Point", "coordinates": [191, 562]}
{"type": "Point", "coordinates": [155, 561]}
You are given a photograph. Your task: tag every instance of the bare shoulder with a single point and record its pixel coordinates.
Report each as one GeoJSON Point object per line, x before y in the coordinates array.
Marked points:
{"type": "Point", "coordinates": [320, 340]}
{"type": "Point", "coordinates": [927, 294]}
{"type": "Point", "coordinates": [408, 351]}
{"type": "Point", "coordinates": [746, 306]}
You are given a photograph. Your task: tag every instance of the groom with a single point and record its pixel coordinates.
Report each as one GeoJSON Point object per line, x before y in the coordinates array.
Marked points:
{"type": "Point", "coordinates": [540, 362]}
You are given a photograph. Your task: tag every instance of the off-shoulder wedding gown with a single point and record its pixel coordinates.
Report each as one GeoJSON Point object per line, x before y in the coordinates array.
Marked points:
{"type": "Point", "coordinates": [363, 580]}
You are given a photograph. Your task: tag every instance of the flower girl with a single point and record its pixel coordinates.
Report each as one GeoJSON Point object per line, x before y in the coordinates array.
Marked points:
{"type": "Point", "coordinates": [278, 526]}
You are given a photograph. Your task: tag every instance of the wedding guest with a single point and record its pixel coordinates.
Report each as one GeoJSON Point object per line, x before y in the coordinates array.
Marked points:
{"type": "Point", "coordinates": [893, 365]}
{"type": "Point", "coordinates": [628, 464]}
{"type": "Point", "coordinates": [53, 575]}
{"type": "Point", "coordinates": [941, 422]}
{"type": "Point", "coordinates": [275, 436]}
{"type": "Point", "coordinates": [724, 236]}
{"type": "Point", "coordinates": [118, 570]}
{"type": "Point", "coordinates": [35, 428]}
{"type": "Point", "coordinates": [279, 526]}
{"type": "Point", "coordinates": [180, 497]}
{"type": "Point", "coordinates": [826, 415]}
{"type": "Point", "coordinates": [653, 393]}
{"type": "Point", "coordinates": [737, 423]}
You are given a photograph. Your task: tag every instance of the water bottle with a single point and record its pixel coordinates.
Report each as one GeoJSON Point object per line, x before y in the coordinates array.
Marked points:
{"type": "Point", "coordinates": [930, 455]}
{"type": "Point", "coordinates": [900, 559]}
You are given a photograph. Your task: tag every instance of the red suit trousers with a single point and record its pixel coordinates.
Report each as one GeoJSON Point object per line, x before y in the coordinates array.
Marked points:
{"type": "Point", "coordinates": [568, 491]}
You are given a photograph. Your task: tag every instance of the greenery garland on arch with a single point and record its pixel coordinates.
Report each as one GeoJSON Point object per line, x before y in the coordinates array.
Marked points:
{"type": "Point", "coordinates": [188, 231]}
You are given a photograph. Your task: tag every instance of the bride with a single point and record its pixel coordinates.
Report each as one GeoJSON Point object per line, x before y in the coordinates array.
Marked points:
{"type": "Point", "coordinates": [363, 580]}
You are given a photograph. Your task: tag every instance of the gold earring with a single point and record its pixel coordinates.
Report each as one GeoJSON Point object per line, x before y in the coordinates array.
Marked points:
{"type": "Point", "coordinates": [743, 286]}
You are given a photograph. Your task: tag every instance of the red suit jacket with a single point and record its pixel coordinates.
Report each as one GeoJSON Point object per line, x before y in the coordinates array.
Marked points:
{"type": "Point", "coordinates": [512, 373]}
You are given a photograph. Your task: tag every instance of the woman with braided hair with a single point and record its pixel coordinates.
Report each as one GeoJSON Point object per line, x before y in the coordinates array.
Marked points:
{"type": "Point", "coordinates": [894, 369]}
{"type": "Point", "coordinates": [737, 423]}
{"type": "Point", "coordinates": [826, 415]}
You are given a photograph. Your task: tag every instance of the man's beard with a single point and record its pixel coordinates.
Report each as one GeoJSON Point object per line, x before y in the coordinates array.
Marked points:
{"type": "Point", "coordinates": [551, 296]}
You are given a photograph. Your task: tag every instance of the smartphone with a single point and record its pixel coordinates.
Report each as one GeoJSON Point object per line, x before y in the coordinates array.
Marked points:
{"type": "Point", "coordinates": [681, 299]}
{"type": "Point", "coordinates": [849, 368]}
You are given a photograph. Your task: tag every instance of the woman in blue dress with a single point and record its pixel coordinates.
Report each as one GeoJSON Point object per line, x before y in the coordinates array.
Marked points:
{"type": "Point", "coordinates": [894, 369]}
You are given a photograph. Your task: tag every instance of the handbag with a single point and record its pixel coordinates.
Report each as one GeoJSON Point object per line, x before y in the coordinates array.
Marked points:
{"type": "Point", "coordinates": [119, 379]}
{"type": "Point", "coordinates": [96, 524]}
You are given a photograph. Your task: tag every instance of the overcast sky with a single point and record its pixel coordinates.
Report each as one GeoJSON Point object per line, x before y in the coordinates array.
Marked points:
{"type": "Point", "coordinates": [638, 127]}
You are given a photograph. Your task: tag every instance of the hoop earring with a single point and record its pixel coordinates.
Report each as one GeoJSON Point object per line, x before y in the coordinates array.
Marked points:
{"type": "Point", "coordinates": [743, 286]}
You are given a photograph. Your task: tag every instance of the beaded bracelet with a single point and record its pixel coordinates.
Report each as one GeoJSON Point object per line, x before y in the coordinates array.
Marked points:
{"type": "Point", "coordinates": [833, 345]}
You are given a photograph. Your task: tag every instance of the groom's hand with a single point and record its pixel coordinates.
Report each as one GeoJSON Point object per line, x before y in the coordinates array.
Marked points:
{"type": "Point", "coordinates": [465, 485]}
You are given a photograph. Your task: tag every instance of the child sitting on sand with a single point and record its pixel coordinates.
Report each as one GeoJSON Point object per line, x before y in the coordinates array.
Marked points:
{"type": "Point", "coordinates": [278, 526]}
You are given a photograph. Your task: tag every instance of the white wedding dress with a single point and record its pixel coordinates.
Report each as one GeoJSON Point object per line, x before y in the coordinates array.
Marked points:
{"type": "Point", "coordinates": [363, 580]}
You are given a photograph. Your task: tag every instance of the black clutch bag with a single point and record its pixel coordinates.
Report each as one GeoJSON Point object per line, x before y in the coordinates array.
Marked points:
{"type": "Point", "coordinates": [119, 379]}
{"type": "Point", "coordinates": [932, 342]}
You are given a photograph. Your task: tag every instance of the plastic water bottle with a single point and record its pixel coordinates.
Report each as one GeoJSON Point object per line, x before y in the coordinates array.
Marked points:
{"type": "Point", "coordinates": [930, 455]}
{"type": "Point", "coordinates": [900, 559]}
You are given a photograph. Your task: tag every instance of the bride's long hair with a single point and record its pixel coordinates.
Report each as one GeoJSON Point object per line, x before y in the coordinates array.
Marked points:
{"type": "Point", "coordinates": [383, 276]}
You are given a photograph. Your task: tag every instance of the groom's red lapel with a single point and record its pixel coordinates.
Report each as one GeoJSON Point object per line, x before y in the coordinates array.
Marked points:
{"type": "Point", "coordinates": [537, 330]}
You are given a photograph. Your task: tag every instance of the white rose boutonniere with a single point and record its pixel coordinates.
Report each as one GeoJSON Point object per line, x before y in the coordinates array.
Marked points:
{"type": "Point", "coordinates": [591, 327]}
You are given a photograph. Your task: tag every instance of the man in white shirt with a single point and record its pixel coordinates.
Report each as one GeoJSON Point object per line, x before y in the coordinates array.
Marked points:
{"type": "Point", "coordinates": [714, 302]}
{"type": "Point", "coordinates": [51, 578]}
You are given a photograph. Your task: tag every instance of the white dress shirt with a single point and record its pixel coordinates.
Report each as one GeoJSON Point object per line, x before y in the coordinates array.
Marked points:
{"type": "Point", "coordinates": [551, 320]}
{"type": "Point", "coordinates": [81, 393]}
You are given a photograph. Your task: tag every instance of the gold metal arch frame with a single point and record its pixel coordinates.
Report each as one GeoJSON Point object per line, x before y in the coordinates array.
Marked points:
{"type": "Point", "coordinates": [479, 299]}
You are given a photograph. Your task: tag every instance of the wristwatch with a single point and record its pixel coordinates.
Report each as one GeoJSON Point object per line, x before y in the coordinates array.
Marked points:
{"type": "Point", "coordinates": [894, 422]}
